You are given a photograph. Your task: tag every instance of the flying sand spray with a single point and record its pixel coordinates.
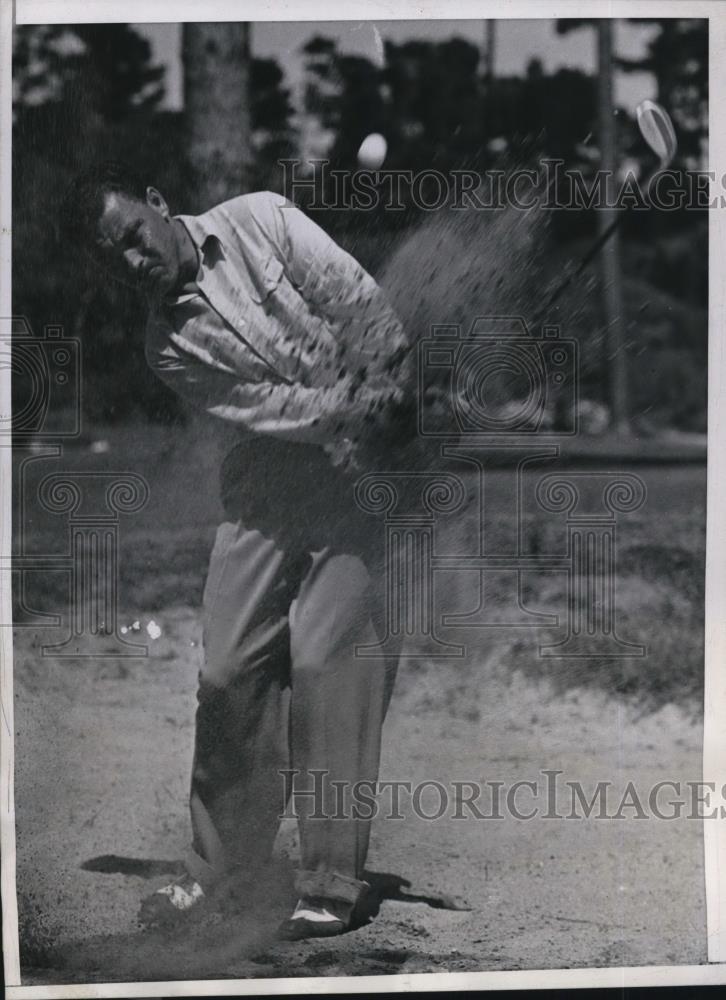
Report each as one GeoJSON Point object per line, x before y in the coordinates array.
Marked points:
{"type": "Point", "coordinates": [656, 128]}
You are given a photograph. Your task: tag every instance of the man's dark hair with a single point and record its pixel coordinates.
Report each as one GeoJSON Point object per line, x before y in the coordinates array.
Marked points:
{"type": "Point", "coordinates": [83, 202]}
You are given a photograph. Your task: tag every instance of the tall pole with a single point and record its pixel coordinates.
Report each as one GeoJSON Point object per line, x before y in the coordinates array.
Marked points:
{"type": "Point", "coordinates": [486, 76]}
{"type": "Point", "coordinates": [616, 358]}
{"type": "Point", "coordinates": [489, 50]}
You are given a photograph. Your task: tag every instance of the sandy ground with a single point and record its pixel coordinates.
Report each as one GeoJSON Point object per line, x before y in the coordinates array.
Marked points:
{"type": "Point", "coordinates": [103, 755]}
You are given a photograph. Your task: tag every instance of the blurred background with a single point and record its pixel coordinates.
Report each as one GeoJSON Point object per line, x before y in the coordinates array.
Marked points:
{"type": "Point", "coordinates": [206, 111]}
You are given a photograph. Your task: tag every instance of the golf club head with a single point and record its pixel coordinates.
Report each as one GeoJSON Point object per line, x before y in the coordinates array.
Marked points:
{"type": "Point", "coordinates": [657, 129]}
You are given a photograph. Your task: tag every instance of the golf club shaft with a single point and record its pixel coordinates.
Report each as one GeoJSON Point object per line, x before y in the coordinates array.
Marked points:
{"type": "Point", "coordinates": [595, 248]}
{"type": "Point", "coordinates": [584, 261]}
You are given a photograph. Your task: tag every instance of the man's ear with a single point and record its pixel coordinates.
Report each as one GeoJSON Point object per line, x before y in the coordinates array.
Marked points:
{"type": "Point", "coordinates": [156, 201]}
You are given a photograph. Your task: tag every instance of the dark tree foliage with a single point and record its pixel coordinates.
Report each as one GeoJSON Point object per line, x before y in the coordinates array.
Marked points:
{"type": "Point", "coordinates": [88, 92]}
{"type": "Point", "coordinates": [677, 55]}
{"type": "Point", "coordinates": [270, 100]}
{"type": "Point", "coordinates": [104, 68]}
{"type": "Point", "coordinates": [271, 113]}
{"type": "Point", "coordinates": [436, 101]}
{"type": "Point", "coordinates": [85, 93]}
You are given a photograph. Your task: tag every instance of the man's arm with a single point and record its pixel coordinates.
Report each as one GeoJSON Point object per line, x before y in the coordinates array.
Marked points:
{"type": "Point", "coordinates": [340, 289]}
{"type": "Point", "coordinates": [360, 406]}
{"type": "Point", "coordinates": [334, 417]}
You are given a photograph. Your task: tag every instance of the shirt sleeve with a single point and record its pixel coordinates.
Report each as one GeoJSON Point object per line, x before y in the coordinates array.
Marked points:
{"type": "Point", "coordinates": [340, 289]}
{"type": "Point", "coordinates": [336, 417]}
{"type": "Point", "coordinates": [373, 348]}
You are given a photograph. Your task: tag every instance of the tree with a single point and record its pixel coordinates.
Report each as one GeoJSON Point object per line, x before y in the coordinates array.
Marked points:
{"type": "Point", "coordinates": [106, 68]}
{"type": "Point", "coordinates": [435, 102]}
{"type": "Point", "coordinates": [322, 81]}
{"type": "Point", "coordinates": [677, 56]}
{"type": "Point", "coordinates": [84, 93]}
{"type": "Point", "coordinates": [216, 62]}
{"type": "Point", "coordinates": [343, 94]}
{"type": "Point", "coordinates": [273, 135]}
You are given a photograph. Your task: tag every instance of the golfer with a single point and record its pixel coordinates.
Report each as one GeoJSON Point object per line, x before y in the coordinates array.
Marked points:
{"type": "Point", "coordinates": [257, 317]}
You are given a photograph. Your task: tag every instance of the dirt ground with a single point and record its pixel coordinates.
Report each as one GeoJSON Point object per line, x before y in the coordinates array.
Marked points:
{"type": "Point", "coordinates": [104, 747]}
{"type": "Point", "coordinates": [103, 755]}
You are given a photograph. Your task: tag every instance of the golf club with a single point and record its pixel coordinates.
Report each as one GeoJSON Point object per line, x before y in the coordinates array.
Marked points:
{"type": "Point", "coordinates": [657, 129]}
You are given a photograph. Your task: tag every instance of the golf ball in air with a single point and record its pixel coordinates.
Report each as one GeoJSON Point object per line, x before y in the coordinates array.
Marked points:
{"type": "Point", "coordinates": [372, 151]}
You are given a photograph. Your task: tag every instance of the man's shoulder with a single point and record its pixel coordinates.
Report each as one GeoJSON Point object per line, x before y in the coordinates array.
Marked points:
{"type": "Point", "coordinates": [248, 217]}
{"type": "Point", "coordinates": [255, 205]}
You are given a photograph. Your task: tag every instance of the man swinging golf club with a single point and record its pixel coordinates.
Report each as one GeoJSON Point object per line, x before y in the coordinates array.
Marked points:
{"type": "Point", "coordinates": [260, 319]}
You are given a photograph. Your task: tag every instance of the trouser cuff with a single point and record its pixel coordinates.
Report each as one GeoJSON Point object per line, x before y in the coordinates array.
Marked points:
{"type": "Point", "coordinates": [330, 885]}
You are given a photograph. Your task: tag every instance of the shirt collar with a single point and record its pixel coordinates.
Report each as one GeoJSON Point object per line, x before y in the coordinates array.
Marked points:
{"type": "Point", "coordinates": [198, 229]}
{"type": "Point", "coordinates": [209, 248]}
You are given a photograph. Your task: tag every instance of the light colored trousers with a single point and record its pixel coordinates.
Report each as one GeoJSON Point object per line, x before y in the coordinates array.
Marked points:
{"type": "Point", "coordinates": [288, 598]}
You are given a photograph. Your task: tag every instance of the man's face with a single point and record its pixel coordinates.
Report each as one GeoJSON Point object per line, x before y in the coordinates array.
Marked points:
{"type": "Point", "coordinates": [139, 243]}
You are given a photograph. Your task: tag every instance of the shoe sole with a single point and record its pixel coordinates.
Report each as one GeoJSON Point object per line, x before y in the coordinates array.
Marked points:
{"type": "Point", "coordinates": [298, 930]}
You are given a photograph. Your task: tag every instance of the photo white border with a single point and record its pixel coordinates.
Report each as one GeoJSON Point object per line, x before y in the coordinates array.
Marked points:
{"type": "Point", "coordinates": [714, 723]}
{"type": "Point", "coordinates": [714, 750]}
{"type": "Point", "coordinates": [177, 11]}
{"type": "Point", "coordinates": [423, 982]}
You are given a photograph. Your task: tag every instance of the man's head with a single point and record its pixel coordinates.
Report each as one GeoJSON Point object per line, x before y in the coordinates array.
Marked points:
{"type": "Point", "coordinates": [125, 226]}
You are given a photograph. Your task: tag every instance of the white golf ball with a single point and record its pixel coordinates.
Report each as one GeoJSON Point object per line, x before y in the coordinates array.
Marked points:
{"type": "Point", "coordinates": [372, 151]}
